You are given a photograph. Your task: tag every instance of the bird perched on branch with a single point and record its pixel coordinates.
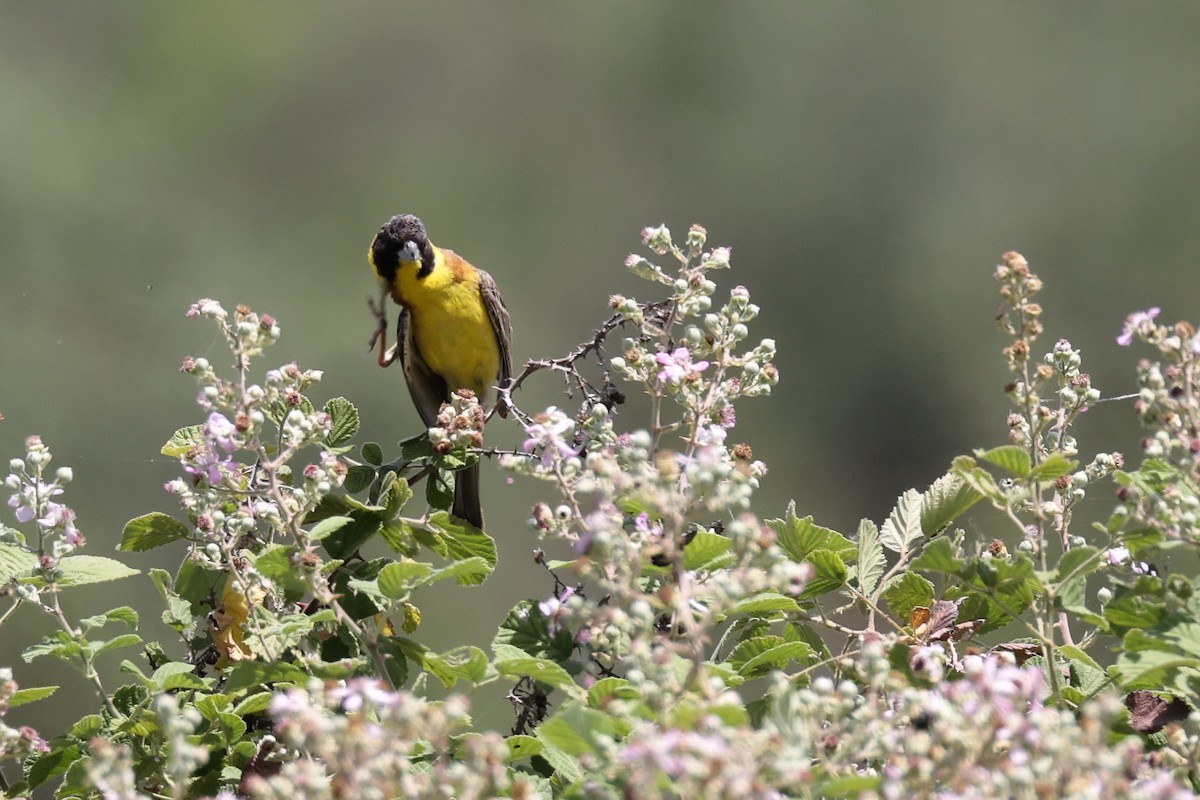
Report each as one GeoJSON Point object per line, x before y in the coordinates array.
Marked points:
{"type": "Point", "coordinates": [453, 333]}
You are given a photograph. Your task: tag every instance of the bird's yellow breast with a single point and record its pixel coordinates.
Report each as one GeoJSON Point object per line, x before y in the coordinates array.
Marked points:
{"type": "Point", "coordinates": [451, 327]}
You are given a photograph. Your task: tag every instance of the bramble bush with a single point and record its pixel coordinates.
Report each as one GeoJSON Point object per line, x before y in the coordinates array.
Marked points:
{"type": "Point", "coordinates": [687, 647]}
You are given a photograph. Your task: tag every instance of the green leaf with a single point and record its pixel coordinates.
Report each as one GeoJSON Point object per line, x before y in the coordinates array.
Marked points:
{"type": "Point", "coordinates": [30, 695]}
{"type": "Point", "coordinates": [281, 565]}
{"type": "Point", "coordinates": [372, 454]}
{"type": "Point", "coordinates": [578, 730]}
{"type": "Point", "coordinates": [468, 572]}
{"type": "Point", "coordinates": [604, 691]}
{"type": "Point", "coordinates": [1008, 457]}
{"type": "Point", "coordinates": [184, 440]}
{"type": "Point", "coordinates": [151, 530]}
{"type": "Point", "coordinates": [905, 592]}
{"type": "Point", "coordinates": [462, 663]}
{"type": "Point", "coordinates": [847, 786]}
{"type": "Point", "coordinates": [706, 550]}
{"type": "Point", "coordinates": [343, 421]}
{"type": "Point", "coordinates": [903, 526]}
{"type": "Point", "coordinates": [1056, 464]}
{"type": "Point", "coordinates": [329, 526]}
{"type": "Point", "coordinates": [358, 478]}
{"type": "Point", "coordinates": [522, 747]}
{"type": "Point", "coordinates": [250, 674]}
{"type": "Point", "coordinates": [116, 643]}
{"type": "Point", "coordinates": [457, 541]}
{"type": "Point", "coordinates": [345, 540]}
{"type": "Point", "coordinates": [399, 578]}
{"type": "Point", "coordinates": [829, 573]}
{"type": "Point", "coordinates": [42, 768]}
{"type": "Point", "coordinates": [945, 500]}
{"type": "Point", "coordinates": [15, 562]}
{"type": "Point", "coordinates": [254, 704]}
{"type": "Point", "coordinates": [540, 669]}
{"type": "Point", "coordinates": [868, 568]}
{"type": "Point", "coordinates": [81, 570]}
{"type": "Point", "coordinates": [1071, 576]}
{"type": "Point", "coordinates": [800, 537]}
{"type": "Point", "coordinates": [756, 657]}
{"type": "Point", "coordinates": [939, 556]}
{"type": "Point", "coordinates": [764, 603]}
{"type": "Point", "coordinates": [527, 629]}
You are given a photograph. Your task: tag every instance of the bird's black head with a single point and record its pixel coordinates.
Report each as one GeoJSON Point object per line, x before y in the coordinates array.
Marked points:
{"type": "Point", "coordinates": [401, 239]}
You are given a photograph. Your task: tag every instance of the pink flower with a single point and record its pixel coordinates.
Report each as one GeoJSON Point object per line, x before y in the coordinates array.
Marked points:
{"type": "Point", "coordinates": [1134, 322]}
{"type": "Point", "coordinates": [678, 367]}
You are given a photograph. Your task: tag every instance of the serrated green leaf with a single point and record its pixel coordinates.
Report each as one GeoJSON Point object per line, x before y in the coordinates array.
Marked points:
{"type": "Point", "coordinates": [521, 746]}
{"type": "Point", "coordinates": [577, 730]}
{"type": "Point", "coordinates": [945, 500]}
{"type": "Point", "coordinates": [939, 556]}
{"type": "Point", "coordinates": [249, 674]}
{"type": "Point", "coordinates": [829, 573]}
{"type": "Point", "coordinates": [467, 572]}
{"type": "Point", "coordinates": [280, 564]}
{"type": "Point", "coordinates": [800, 537]}
{"type": "Point", "coordinates": [15, 562]}
{"type": "Point", "coordinates": [123, 614]}
{"type": "Point", "coordinates": [455, 540]}
{"type": "Point", "coordinates": [399, 578]}
{"type": "Point", "coordinates": [183, 440]}
{"type": "Point", "coordinates": [186, 680]}
{"type": "Point", "coordinates": [30, 695]}
{"type": "Point", "coordinates": [905, 592]}
{"type": "Point", "coordinates": [82, 570]}
{"type": "Point", "coordinates": [1008, 457]}
{"type": "Point", "coordinates": [542, 670]}
{"type": "Point", "coordinates": [706, 550]}
{"type": "Point", "coordinates": [606, 690]}
{"type": "Point", "coordinates": [527, 629]}
{"type": "Point", "coordinates": [868, 567]}
{"type": "Point", "coordinates": [116, 643]}
{"type": "Point", "coordinates": [170, 669]}
{"type": "Point", "coordinates": [1056, 464]}
{"type": "Point", "coordinates": [328, 527]}
{"type": "Point", "coordinates": [151, 530]}
{"type": "Point", "coordinates": [462, 663]}
{"type": "Point", "coordinates": [903, 526]}
{"type": "Point", "coordinates": [345, 540]}
{"type": "Point", "coordinates": [764, 603]}
{"type": "Point", "coordinates": [254, 704]}
{"type": "Point", "coordinates": [1071, 576]}
{"type": "Point", "coordinates": [343, 421]}
{"type": "Point", "coordinates": [42, 768]}
{"type": "Point", "coordinates": [757, 657]}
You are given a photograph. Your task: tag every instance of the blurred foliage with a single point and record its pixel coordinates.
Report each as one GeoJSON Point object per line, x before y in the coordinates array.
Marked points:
{"type": "Point", "coordinates": [869, 163]}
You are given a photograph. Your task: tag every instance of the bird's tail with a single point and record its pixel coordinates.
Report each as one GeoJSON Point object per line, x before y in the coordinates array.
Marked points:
{"type": "Point", "coordinates": [466, 496]}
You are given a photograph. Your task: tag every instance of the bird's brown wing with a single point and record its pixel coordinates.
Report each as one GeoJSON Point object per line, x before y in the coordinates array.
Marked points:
{"type": "Point", "coordinates": [497, 312]}
{"type": "Point", "coordinates": [427, 388]}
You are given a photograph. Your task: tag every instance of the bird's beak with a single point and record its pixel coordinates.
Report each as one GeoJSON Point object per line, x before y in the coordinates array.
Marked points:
{"type": "Point", "coordinates": [409, 252]}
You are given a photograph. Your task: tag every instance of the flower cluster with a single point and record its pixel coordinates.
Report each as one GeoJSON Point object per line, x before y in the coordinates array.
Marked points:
{"type": "Point", "coordinates": [269, 423]}
{"type": "Point", "coordinates": [635, 505]}
{"type": "Point", "coordinates": [360, 740]}
{"type": "Point", "coordinates": [16, 743]}
{"type": "Point", "coordinates": [31, 501]}
{"type": "Point", "coordinates": [459, 423]}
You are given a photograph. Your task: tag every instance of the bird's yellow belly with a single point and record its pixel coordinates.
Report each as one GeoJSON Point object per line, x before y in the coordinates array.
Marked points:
{"type": "Point", "coordinates": [458, 342]}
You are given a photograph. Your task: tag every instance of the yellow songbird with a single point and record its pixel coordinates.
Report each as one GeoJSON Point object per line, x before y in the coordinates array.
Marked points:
{"type": "Point", "coordinates": [453, 333]}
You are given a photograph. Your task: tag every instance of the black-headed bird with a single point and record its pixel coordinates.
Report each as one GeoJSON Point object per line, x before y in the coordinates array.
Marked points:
{"type": "Point", "coordinates": [453, 333]}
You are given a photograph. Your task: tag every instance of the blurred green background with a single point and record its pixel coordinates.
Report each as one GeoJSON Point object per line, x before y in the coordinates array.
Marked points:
{"type": "Point", "coordinates": [867, 162]}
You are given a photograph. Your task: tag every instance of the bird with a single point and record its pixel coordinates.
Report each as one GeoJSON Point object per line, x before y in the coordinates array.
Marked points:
{"type": "Point", "coordinates": [454, 331]}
